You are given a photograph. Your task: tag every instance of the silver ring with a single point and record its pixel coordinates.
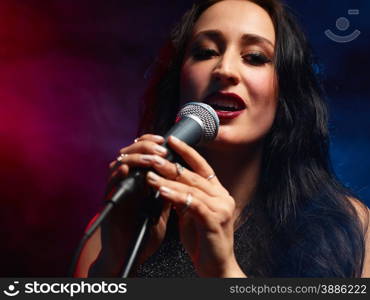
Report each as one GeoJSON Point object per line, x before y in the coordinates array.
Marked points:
{"type": "Point", "coordinates": [136, 140]}
{"type": "Point", "coordinates": [179, 169]}
{"type": "Point", "coordinates": [189, 200]}
{"type": "Point", "coordinates": [211, 176]}
{"type": "Point", "coordinates": [121, 157]}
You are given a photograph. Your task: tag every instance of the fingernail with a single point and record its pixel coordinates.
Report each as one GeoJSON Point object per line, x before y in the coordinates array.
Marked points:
{"type": "Point", "coordinates": [158, 160]}
{"type": "Point", "coordinates": [175, 139]}
{"type": "Point", "coordinates": [165, 190]}
{"type": "Point", "coordinates": [152, 176]}
{"type": "Point", "coordinates": [160, 149]}
{"type": "Point", "coordinates": [147, 158]}
{"type": "Point", "coordinates": [158, 137]}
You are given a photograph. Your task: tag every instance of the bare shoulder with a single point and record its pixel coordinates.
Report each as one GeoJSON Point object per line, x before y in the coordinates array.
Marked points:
{"type": "Point", "coordinates": [363, 213]}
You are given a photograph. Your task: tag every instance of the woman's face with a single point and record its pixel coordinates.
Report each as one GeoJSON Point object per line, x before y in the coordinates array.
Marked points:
{"type": "Point", "coordinates": [228, 64]}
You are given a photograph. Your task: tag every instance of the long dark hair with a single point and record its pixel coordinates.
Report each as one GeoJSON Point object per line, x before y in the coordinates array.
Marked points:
{"type": "Point", "coordinates": [301, 222]}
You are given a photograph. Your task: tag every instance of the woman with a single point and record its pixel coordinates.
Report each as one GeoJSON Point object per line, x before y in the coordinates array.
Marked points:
{"type": "Point", "coordinates": [261, 199]}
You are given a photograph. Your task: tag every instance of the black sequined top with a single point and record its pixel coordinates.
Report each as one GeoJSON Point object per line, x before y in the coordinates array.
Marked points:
{"type": "Point", "coordinates": [171, 259]}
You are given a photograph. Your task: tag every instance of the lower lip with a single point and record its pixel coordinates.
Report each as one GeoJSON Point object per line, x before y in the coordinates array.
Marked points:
{"type": "Point", "coordinates": [222, 114]}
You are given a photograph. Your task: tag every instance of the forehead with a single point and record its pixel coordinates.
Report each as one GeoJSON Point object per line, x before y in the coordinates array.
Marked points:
{"type": "Point", "coordinates": [235, 18]}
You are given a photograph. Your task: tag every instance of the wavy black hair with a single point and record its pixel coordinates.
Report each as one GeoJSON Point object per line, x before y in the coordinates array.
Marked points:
{"type": "Point", "coordinates": [301, 222]}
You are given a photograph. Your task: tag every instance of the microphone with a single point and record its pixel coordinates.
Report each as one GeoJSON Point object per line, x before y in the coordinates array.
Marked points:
{"type": "Point", "coordinates": [196, 123]}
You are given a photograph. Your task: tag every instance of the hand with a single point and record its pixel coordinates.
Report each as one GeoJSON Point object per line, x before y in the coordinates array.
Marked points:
{"type": "Point", "coordinates": [206, 224]}
{"type": "Point", "coordinates": [119, 228]}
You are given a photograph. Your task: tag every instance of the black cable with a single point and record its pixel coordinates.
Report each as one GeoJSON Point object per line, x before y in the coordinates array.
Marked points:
{"type": "Point", "coordinates": [151, 212]}
{"type": "Point", "coordinates": [135, 250]}
{"type": "Point", "coordinates": [108, 207]}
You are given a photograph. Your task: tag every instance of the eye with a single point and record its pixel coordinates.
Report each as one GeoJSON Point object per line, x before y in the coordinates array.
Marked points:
{"type": "Point", "coordinates": [256, 59]}
{"type": "Point", "coordinates": [203, 53]}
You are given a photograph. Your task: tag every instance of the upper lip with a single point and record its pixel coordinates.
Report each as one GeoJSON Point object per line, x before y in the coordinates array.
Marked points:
{"type": "Point", "coordinates": [226, 96]}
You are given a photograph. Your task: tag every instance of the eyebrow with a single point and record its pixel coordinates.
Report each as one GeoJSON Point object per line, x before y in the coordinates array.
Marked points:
{"type": "Point", "coordinates": [250, 38]}
{"type": "Point", "coordinates": [247, 38]}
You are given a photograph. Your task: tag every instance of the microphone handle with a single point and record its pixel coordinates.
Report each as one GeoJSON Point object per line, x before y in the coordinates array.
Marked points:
{"type": "Point", "coordinates": [188, 129]}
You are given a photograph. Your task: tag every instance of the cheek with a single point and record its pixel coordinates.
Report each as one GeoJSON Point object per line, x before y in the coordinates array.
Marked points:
{"type": "Point", "coordinates": [263, 97]}
{"type": "Point", "coordinates": [193, 82]}
{"type": "Point", "coordinates": [261, 86]}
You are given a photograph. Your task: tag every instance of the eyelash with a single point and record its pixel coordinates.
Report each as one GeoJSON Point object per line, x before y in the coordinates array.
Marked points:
{"type": "Point", "coordinates": [257, 59]}
{"type": "Point", "coordinates": [204, 53]}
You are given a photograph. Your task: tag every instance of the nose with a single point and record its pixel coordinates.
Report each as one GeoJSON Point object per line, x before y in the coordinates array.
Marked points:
{"type": "Point", "coordinates": [226, 72]}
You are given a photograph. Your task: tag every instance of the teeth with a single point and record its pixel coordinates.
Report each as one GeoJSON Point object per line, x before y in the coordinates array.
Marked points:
{"type": "Point", "coordinates": [224, 103]}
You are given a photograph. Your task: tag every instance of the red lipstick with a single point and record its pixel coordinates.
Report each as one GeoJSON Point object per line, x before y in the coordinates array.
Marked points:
{"type": "Point", "coordinates": [227, 105]}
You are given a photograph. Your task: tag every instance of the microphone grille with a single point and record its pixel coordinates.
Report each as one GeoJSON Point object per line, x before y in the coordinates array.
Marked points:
{"type": "Point", "coordinates": [207, 116]}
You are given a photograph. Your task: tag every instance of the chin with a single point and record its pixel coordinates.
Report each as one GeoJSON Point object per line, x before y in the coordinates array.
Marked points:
{"type": "Point", "coordinates": [220, 144]}
{"type": "Point", "coordinates": [226, 142]}
{"type": "Point", "coordinates": [227, 135]}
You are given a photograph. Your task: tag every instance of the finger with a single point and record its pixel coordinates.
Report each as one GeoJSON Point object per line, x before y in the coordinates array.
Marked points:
{"type": "Point", "coordinates": [188, 204]}
{"type": "Point", "coordinates": [175, 171]}
{"type": "Point", "coordinates": [221, 209]}
{"type": "Point", "coordinates": [140, 160]}
{"type": "Point", "coordinates": [145, 147]}
{"type": "Point", "coordinates": [146, 144]}
{"type": "Point", "coordinates": [157, 182]}
{"type": "Point", "coordinates": [170, 171]}
{"type": "Point", "coordinates": [114, 165]}
{"type": "Point", "coordinates": [195, 161]}
{"type": "Point", "coordinates": [116, 177]}
{"type": "Point", "coordinates": [121, 172]}
{"type": "Point", "coordinates": [150, 137]}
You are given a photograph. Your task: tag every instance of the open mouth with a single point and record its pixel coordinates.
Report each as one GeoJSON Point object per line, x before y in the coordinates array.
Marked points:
{"type": "Point", "coordinates": [226, 105]}
{"type": "Point", "coordinates": [225, 102]}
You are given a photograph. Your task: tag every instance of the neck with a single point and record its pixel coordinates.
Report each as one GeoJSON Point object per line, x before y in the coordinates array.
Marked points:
{"type": "Point", "coordinates": [238, 171]}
